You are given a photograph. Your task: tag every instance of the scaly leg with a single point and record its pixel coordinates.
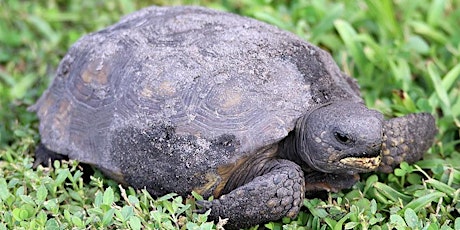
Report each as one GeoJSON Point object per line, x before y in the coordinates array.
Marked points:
{"type": "Point", "coordinates": [406, 139]}
{"type": "Point", "coordinates": [278, 192]}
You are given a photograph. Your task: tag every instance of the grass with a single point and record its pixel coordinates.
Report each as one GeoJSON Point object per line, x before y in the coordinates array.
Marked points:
{"type": "Point", "coordinates": [405, 55]}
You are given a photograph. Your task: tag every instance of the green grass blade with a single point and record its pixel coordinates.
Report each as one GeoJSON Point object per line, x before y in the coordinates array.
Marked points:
{"type": "Point", "coordinates": [452, 77]}
{"type": "Point", "coordinates": [386, 45]}
{"type": "Point", "coordinates": [442, 187]}
{"type": "Point", "coordinates": [390, 192]}
{"type": "Point", "coordinates": [441, 92]}
{"type": "Point", "coordinates": [383, 11]}
{"type": "Point", "coordinates": [435, 12]}
{"type": "Point", "coordinates": [427, 31]}
{"type": "Point", "coordinates": [326, 23]}
{"type": "Point", "coordinates": [422, 201]}
{"type": "Point", "coordinates": [340, 223]}
{"type": "Point", "coordinates": [349, 37]}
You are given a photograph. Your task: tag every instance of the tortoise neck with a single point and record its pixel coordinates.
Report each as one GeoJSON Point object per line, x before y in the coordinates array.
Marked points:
{"type": "Point", "coordinates": [294, 147]}
{"type": "Point", "coordinates": [287, 149]}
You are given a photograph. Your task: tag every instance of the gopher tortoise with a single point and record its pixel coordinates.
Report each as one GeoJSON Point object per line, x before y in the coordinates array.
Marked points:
{"type": "Point", "coordinates": [181, 99]}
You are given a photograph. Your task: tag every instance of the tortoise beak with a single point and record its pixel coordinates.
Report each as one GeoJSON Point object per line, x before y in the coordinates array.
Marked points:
{"type": "Point", "coordinates": [368, 160]}
{"type": "Point", "coordinates": [366, 163]}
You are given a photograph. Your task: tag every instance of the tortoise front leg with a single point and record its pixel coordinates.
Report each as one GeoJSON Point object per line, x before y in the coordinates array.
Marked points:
{"type": "Point", "coordinates": [278, 192]}
{"type": "Point", "coordinates": [406, 139]}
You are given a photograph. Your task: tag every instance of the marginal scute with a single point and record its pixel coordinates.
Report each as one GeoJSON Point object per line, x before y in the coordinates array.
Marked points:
{"type": "Point", "coordinates": [212, 180]}
{"type": "Point", "coordinates": [46, 104]}
{"type": "Point", "coordinates": [60, 124]}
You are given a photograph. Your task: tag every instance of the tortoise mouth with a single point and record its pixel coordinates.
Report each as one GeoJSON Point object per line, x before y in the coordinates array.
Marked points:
{"type": "Point", "coordinates": [364, 162]}
{"type": "Point", "coordinates": [369, 159]}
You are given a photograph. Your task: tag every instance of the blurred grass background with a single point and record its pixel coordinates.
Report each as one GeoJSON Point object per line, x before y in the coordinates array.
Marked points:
{"type": "Point", "coordinates": [405, 55]}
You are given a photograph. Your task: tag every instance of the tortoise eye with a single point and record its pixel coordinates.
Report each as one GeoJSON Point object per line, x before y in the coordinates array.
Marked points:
{"type": "Point", "coordinates": [342, 137]}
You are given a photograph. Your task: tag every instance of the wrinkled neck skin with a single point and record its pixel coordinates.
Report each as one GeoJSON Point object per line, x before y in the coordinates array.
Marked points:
{"type": "Point", "coordinates": [287, 149]}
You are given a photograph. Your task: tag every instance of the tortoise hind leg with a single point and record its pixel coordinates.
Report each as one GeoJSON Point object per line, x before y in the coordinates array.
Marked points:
{"type": "Point", "coordinates": [278, 192]}
{"type": "Point", "coordinates": [45, 157]}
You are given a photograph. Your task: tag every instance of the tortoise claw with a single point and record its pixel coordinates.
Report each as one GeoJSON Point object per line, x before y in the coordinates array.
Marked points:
{"type": "Point", "coordinates": [204, 206]}
{"type": "Point", "coordinates": [46, 157]}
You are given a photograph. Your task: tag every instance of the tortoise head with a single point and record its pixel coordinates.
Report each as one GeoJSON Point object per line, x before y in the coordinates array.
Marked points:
{"type": "Point", "coordinates": [343, 137]}
{"type": "Point", "coordinates": [347, 137]}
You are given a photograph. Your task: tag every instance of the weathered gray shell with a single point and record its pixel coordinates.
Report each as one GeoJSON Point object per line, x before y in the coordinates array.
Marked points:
{"type": "Point", "coordinates": [174, 93]}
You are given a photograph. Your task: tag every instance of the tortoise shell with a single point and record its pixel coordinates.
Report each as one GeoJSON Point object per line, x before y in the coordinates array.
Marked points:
{"type": "Point", "coordinates": [166, 96]}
